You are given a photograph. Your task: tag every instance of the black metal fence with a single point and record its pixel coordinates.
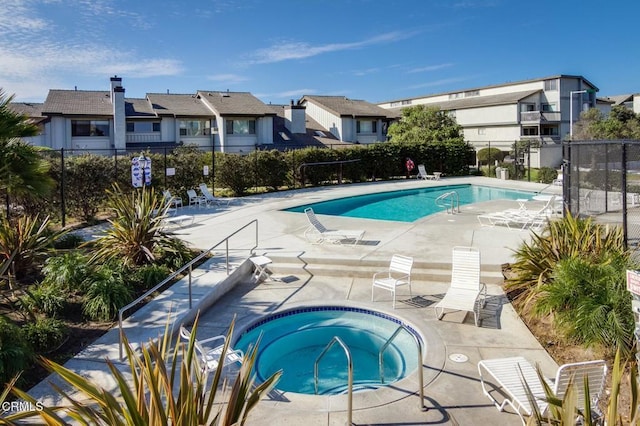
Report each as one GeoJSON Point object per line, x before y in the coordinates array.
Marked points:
{"type": "Point", "coordinates": [602, 179]}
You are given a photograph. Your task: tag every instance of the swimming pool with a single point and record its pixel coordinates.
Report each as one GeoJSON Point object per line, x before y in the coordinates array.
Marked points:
{"type": "Point", "coordinates": [293, 340]}
{"type": "Point", "coordinates": [410, 204]}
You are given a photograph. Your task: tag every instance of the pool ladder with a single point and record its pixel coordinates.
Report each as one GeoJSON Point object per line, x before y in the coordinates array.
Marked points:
{"type": "Point", "coordinates": [450, 201]}
{"type": "Point", "coordinates": [384, 347]}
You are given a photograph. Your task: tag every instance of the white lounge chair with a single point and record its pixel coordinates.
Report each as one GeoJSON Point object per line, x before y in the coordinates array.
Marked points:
{"type": "Point", "coordinates": [466, 292]}
{"type": "Point", "coordinates": [174, 202]}
{"type": "Point", "coordinates": [318, 234]}
{"type": "Point", "coordinates": [210, 357]}
{"type": "Point", "coordinates": [521, 218]}
{"type": "Point", "coordinates": [398, 274]}
{"type": "Point", "coordinates": [422, 174]}
{"type": "Point", "coordinates": [210, 198]}
{"type": "Point", "coordinates": [195, 199]}
{"type": "Point", "coordinates": [509, 376]}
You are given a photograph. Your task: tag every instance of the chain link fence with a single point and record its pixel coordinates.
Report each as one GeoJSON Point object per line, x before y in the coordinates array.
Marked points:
{"type": "Point", "coordinates": [602, 179]}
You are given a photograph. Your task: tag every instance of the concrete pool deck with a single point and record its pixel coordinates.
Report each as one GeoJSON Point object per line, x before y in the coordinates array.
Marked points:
{"type": "Point", "coordinates": [341, 274]}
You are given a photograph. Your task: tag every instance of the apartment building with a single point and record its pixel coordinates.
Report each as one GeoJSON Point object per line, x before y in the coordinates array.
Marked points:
{"type": "Point", "coordinates": [538, 110]}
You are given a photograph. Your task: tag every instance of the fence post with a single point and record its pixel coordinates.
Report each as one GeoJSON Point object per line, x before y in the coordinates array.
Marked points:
{"type": "Point", "coordinates": [62, 183]}
{"type": "Point", "coordinates": [624, 194]}
{"type": "Point", "coordinates": [165, 167]}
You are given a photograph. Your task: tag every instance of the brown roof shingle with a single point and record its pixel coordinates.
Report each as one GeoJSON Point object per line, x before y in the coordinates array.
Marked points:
{"type": "Point", "coordinates": [78, 102]}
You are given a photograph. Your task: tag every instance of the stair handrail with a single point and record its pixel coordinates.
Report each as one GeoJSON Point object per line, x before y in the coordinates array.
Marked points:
{"type": "Point", "coordinates": [420, 372]}
{"type": "Point", "coordinates": [189, 267]}
{"type": "Point", "coordinates": [347, 352]}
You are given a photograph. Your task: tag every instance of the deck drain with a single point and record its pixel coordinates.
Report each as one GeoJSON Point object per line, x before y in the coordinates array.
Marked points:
{"type": "Point", "coordinates": [458, 358]}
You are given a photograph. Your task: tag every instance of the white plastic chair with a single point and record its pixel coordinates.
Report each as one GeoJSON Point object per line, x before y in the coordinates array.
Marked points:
{"type": "Point", "coordinates": [210, 198]}
{"type": "Point", "coordinates": [398, 274]}
{"type": "Point", "coordinates": [174, 202]}
{"type": "Point", "coordinates": [466, 292]}
{"type": "Point", "coordinates": [210, 357]}
{"type": "Point", "coordinates": [195, 199]}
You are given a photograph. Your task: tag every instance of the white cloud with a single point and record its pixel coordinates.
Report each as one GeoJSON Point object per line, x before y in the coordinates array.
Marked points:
{"type": "Point", "coordinates": [227, 78]}
{"type": "Point", "coordinates": [441, 82]}
{"type": "Point", "coordinates": [429, 68]}
{"type": "Point", "coordinates": [284, 51]}
{"type": "Point", "coordinates": [287, 94]}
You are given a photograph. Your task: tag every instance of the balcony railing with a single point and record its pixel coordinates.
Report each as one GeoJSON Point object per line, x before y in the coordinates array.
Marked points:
{"type": "Point", "coordinates": [143, 137]}
{"type": "Point", "coordinates": [539, 116]}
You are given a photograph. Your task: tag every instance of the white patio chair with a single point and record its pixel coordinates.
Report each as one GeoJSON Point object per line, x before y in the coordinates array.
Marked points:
{"type": "Point", "coordinates": [174, 202]}
{"type": "Point", "coordinates": [398, 274]}
{"type": "Point", "coordinates": [210, 198]}
{"type": "Point", "coordinates": [509, 375]}
{"type": "Point", "coordinates": [210, 357]}
{"type": "Point", "coordinates": [422, 174]}
{"type": "Point", "coordinates": [466, 292]}
{"type": "Point", "coordinates": [318, 233]}
{"type": "Point", "coordinates": [195, 199]}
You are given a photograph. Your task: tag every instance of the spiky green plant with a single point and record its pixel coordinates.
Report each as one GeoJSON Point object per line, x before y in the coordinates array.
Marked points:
{"type": "Point", "coordinates": [66, 271]}
{"type": "Point", "coordinates": [590, 304]}
{"type": "Point", "coordinates": [106, 293]}
{"type": "Point", "coordinates": [167, 387]}
{"type": "Point", "coordinates": [567, 237]}
{"type": "Point", "coordinates": [28, 239]}
{"type": "Point", "coordinates": [136, 231]}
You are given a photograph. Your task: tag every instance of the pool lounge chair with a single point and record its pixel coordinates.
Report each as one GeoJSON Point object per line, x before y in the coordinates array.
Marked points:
{"type": "Point", "coordinates": [521, 218]}
{"type": "Point", "coordinates": [509, 375]}
{"type": "Point", "coordinates": [210, 199]}
{"type": "Point", "coordinates": [466, 292]}
{"type": "Point", "coordinates": [422, 174]}
{"type": "Point", "coordinates": [398, 274]}
{"type": "Point", "coordinates": [210, 357]}
{"type": "Point", "coordinates": [318, 234]}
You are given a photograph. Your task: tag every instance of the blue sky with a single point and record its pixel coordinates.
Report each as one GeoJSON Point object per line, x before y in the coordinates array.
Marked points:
{"type": "Point", "coordinates": [282, 49]}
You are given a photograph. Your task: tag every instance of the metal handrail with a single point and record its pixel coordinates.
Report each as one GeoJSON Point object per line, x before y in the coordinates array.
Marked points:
{"type": "Point", "coordinates": [189, 267]}
{"type": "Point", "coordinates": [454, 204]}
{"type": "Point", "coordinates": [420, 372]}
{"type": "Point", "coordinates": [336, 339]}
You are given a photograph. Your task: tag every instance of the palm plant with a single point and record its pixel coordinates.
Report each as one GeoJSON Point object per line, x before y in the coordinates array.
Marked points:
{"type": "Point", "coordinates": [136, 231]}
{"type": "Point", "coordinates": [590, 303]}
{"type": "Point", "coordinates": [564, 238]}
{"type": "Point", "coordinates": [167, 388]}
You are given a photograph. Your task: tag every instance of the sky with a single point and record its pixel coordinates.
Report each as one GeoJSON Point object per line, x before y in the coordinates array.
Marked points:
{"type": "Point", "coordinates": [278, 50]}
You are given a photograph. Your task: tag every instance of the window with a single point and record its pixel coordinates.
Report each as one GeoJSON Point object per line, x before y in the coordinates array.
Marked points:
{"type": "Point", "coordinates": [194, 127]}
{"type": "Point", "coordinates": [241, 127]}
{"type": "Point", "coordinates": [452, 113]}
{"type": "Point", "coordinates": [527, 107]}
{"type": "Point", "coordinates": [549, 107]}
{"type": "Point", "coordinates": [89, 128]}
{"type": "Point", "coordinates": [366, 126]}
{"type": "Point", "coordinates": [530, 131]}
{"type": "Point", "coordinates": [455, 95]}
{"type": "Point", "coordinates": [481, 131]}
{"type": "Point", "coordinates": [143, 126]}
{"type": "Point", "coordinates": [549, 131]}
{"type": "Point", "coordinates": [551, 85]}
{"type": "Point", "coordinates": [394, 104]}
{"type": "Point", "coordinates": [406, 102]}
{"type": "Point", "coordinates": [470, 93]}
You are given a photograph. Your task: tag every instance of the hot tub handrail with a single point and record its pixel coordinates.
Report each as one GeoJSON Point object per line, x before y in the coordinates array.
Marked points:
{"type": "Point", "coordinates": [347, 352]}
{"type": "Point", "coordinates": [420, 373]}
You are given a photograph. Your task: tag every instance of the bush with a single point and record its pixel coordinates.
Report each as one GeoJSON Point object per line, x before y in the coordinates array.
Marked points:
{"type": "Point", "coordinates": [106, 294]}
{"type": "Point", "coordinates": [547, 174]}
{"type": "Point", "coordinates": [45, 334]}
{"type": "Point", "coordinates": [148, 276]}
{"type": "Point", "coordinates": [269, 168]}
{"type": "Point", "coordinates": [174, 254]}
{"type": "Point", "coordinates": [234, 171]}
{"type": "Point", "coordinates": [49, 299]}
{"type": "Point", "coordinates": [489, 156]}
{"type": "Point", "coordinates": [67, 271]}
{"type": "Point", "coordinates": [68, 241]}
{"type": "Point", "coordinates": [87, 177]}
{"type": "Point", "coordinates": [15, 354]}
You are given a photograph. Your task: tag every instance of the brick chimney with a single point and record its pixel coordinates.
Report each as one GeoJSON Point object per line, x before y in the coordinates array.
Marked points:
{"type": "Point", "coordinates": [119, 116]}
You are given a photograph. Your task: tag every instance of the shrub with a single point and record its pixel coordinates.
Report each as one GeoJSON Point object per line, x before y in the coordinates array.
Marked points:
{"type": "Point", "coordinates": [235, 172]}
{"type": "Point", "coordinates": [15, 354]}
{"type": "Point", "coordinates": [149, 275]}
{"type": "Point", "coordinates": [547, 174]}
{"type": "Point", "coordinates": [106, 294]}
{"type": "Point", "coordinates": [590, 303]}
{"type": "Point", "coordinates": [49, 299]}
{"type": "Point", "coordinates": [270, 169]}
{"type": "Point", "coordinates": [489, 156]}
{"type": "Point", "coordinates": [45, 334]}
{"type": "Point", "coordinates": [174, 254]}
{"type": "Point", "coordinates": [67, 271]}
{"type": "Point", "coordinates": [87, 177]}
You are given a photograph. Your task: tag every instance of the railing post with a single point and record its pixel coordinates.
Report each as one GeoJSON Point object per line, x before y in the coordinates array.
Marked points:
{"type": "Point", "coordinates": [190, 270]}
{"type": "Point", "coordinates": [227, 252]}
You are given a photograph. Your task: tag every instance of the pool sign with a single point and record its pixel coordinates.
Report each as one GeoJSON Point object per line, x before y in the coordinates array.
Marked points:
{"type": "Point", "coordinates": [633, 282]}
{"type": "Point", "coordinates": [137, 177]}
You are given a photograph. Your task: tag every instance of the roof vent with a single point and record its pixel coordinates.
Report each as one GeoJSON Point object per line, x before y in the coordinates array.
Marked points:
{"type": "Point", "coordinates": [225, 94]}
{"type": "Point", "coordinates": [320, 133]}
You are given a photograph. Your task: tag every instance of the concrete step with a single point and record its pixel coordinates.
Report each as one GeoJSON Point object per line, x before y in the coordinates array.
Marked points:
{"type": "Point", "coordinates": [364, 268]}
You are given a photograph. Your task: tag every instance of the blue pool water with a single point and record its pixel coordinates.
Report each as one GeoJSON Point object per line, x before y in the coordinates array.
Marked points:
{"type": "Point", "coordinates": [293, 340]}
{"type": "Point", "coordinates": [408, 205]}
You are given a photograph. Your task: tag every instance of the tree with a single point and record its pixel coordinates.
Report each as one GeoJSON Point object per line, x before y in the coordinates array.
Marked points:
{"type": "Point", "coordinates": [422, 123]}
{"type": "Point", "coordinates": [22, 171]}
{"type": "Point", "coordinates": [620, 123]}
